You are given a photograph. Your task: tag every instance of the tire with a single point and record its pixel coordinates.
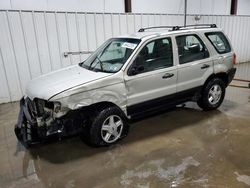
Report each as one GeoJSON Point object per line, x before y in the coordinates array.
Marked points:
{"type": "Point", "coordinates": [212, 94]}
{"type": "Point", "coordinates": [101, 127]}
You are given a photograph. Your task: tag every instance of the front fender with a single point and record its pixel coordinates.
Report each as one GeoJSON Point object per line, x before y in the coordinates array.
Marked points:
{"type": "Point", "coordinates": [114, 93]}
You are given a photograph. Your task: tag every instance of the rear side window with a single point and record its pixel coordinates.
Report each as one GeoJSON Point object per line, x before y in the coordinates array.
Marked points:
{"type": "Point", "coordinates": [219, 42]}
{"type": "Point", "coordinates": [191, 48]}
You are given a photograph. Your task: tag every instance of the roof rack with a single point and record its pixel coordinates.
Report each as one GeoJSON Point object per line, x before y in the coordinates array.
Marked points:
{"type": "Point", "coordinates": [175, 28]}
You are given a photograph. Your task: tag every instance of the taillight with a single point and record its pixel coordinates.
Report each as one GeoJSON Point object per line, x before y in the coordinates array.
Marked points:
{"type": "Point", "coordinates": [234, 59]}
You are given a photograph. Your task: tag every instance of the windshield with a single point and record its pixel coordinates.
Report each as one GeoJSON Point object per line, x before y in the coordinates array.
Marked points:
{"type": "Point", "coordinates": [112, 55]}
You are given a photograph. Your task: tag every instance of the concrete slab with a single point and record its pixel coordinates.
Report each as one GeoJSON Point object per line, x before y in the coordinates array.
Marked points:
{"type": "Point", "coordinates": [182, 148]}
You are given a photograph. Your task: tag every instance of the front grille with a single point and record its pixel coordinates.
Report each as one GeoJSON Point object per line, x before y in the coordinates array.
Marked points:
{"type": "Point", "coordinates": [40, 104]}
{"type": "Point", "coordinates": [31, 107]}
{"type": "Point", "coordinates": [37, 107]}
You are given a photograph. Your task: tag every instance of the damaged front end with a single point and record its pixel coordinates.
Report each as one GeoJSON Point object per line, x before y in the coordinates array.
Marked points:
{"type": "Point", "coordinates": [39, 119]}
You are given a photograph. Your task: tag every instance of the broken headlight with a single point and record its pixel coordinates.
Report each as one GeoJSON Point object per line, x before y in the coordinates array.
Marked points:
{"type": "Point", "coordinates": [57, 107]}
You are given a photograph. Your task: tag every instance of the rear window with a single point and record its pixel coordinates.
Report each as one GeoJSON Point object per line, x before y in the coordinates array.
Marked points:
{"type": "Point", "coordinates": [191, 48]}
{"type": "Point", "coordinates": [219, 42]}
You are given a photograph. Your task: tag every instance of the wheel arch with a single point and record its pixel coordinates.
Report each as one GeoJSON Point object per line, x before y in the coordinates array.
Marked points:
{"type": "Point", "coordinates": [103, 105]}
{"type": "Point", "coordinates": [222, 75]}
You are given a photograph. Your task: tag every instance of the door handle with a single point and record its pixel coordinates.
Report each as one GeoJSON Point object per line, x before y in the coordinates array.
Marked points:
{"type": "Point", "coordinates": [167, 75]}
{"type": "Point", "coordinates": [205, 66]}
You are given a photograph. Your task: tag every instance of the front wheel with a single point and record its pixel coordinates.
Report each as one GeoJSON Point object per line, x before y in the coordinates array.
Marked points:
{"type": "Point", "coordinates": [108, 127]}
{"type": "Point", "coordinates": [212, 94]}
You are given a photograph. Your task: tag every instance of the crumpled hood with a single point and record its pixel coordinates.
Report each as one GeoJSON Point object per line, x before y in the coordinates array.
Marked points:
{"type": "Point", "coordinates": [48, 85]}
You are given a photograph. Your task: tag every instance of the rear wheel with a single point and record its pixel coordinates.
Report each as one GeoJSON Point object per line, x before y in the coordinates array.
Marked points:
{"type": "Point", "coordinates": [212, 94]}
{"type": "Point", "coordinates": [108, 126]}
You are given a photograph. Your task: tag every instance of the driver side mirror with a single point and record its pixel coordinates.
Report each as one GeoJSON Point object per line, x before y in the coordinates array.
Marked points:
{"type": "Point", "coordinates": [135, 70]}
{"type": "Point", "coordinates": [206, 53]}
{"type": "Point", "coordinates": [137, 66]}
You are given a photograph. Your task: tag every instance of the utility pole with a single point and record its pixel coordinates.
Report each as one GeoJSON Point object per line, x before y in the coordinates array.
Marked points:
{"type": "Point", "coordinates": [185, 13]}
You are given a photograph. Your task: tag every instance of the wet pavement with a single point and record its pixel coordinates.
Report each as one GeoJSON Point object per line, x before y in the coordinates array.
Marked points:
{"type": "Point", "coordinates": [185, 147]}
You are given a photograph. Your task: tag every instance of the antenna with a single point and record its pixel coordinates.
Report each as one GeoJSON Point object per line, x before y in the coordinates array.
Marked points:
{"type": "Point", "coordinates": [185, 13]}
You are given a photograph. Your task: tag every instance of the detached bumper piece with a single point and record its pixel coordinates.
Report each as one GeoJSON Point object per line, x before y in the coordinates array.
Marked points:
{"type": "Point", "coordinates": [25, 129]}
{"type": "Point", "coordinates": [29, 133]}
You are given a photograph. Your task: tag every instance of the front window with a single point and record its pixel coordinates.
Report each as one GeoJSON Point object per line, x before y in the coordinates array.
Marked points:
{"type": "Point", "coordinates": [154, 55]}
{"type": "Point", "coordinates": [112, 55]}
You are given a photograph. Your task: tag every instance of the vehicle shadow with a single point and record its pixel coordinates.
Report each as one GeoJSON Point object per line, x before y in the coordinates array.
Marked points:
{"type": "Point", "coordinates": [143, 128]}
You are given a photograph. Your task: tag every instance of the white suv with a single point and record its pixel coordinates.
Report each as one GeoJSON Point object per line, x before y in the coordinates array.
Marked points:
{"type": "Point", "coordinates": [128, 76]}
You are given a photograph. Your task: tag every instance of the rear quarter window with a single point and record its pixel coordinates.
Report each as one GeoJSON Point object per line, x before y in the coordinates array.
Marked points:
{"type": "Point", "coordinates": [219, 41]}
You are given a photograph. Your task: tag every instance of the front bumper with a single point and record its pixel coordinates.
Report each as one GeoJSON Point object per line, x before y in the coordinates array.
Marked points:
{"type": "Point", "coordinates": [29, 133]}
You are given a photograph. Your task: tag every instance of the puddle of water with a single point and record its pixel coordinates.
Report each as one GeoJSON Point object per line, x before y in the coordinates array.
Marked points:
{"type": "Point", "coordinates": [243, 178]}
{"type": "Point", "coordinates": [175, 174]}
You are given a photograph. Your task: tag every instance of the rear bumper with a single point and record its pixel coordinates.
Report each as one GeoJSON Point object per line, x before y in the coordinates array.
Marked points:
{"type": "Point", "coordinates": [231, 74]}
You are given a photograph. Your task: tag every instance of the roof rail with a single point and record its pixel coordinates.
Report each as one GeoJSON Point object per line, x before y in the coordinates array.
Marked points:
{"type": "Point", "coordinates": [156, 27]}
{"type": "Point", "coordinates": [198, 26]}
{"type": "Point", "coordinates": [175, 28]}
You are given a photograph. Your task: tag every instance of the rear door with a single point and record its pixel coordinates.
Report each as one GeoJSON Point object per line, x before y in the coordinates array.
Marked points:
{"type": "Point", "coordinates": [195, 63]}
{"type": "Point", "coordinates": [151, 78]}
